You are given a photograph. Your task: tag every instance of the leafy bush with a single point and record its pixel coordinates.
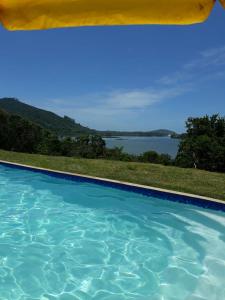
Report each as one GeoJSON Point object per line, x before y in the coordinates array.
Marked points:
{"type": "Point", "coordinates": [17, 134]}
{"type": "Point", "coordinates": [165, 159]}
{"type": "Point", "coordinates": [155, 158]}
{"type": "Point", "coordinates": [203, 146]}
{"type": "Point", "coordinates": [117, 153]}
{"type": "Point", "coordinates": [89, 146]}
{"type": "Point", "coordinates": [150, 156]}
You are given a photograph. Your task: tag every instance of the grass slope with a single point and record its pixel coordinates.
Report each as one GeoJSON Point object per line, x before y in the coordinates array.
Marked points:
{"type": "Point", "coordinates": [184, 180]}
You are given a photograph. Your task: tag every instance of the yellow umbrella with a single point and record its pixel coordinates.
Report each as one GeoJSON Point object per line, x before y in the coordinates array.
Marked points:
{"type": "Point", "coordinates": [44, 14]}
{"type": "Point", "coordinates": [223, 3]}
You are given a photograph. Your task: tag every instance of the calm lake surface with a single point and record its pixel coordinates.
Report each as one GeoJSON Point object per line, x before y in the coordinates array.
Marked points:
{"type": "Point", "coordinates": [138, 145]}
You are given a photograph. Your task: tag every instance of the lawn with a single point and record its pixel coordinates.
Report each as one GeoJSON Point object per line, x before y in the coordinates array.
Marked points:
{"type": "Point", "coordinates": [178, 179]}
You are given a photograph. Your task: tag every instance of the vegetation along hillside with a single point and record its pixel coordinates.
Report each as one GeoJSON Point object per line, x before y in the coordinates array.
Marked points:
{"type": "Point", "coordinates": [62, 126]}
{"type": "Point", "coordinates": [21, 135]}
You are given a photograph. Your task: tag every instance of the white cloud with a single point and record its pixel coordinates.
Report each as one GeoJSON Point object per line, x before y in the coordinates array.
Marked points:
{"type": "Point", "coordinates": [214, 52]}
{"type": "Point", "coordinates": [115, 102]}
{"type": "Point", "coordinates": [104, 108]}
{"type": "Point", "coordinates": [209, 65]}
{"type": "Point", "coordinates": [136, 99]}
{"type": "Point", "coordinates": [113, 110]}
{"type": "Point", "coordinates": [131, 99]}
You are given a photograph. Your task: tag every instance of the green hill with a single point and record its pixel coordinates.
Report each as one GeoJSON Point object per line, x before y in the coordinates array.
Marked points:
{"type": "Point", "coordinates": [62, 126]}
{"type": "Point", "coordinates": [65, 126]}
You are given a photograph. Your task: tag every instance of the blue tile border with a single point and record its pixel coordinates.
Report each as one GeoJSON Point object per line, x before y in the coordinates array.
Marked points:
{"type": "Point", "coordinates": [170, 196]}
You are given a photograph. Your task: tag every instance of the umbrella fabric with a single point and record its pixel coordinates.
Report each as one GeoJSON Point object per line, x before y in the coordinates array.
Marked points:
{"type": "Point", "coordinates": [223, 3]}
{"type": "Point", "coordinates": [44, 14]}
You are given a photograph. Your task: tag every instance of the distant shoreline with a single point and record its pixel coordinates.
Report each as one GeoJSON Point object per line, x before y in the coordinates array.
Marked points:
{"type": "Point", "coordinates": [146, 136]}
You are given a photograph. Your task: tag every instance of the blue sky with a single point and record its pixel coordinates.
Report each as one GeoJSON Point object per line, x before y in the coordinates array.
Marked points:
{"type": "Point", "coordinates": [120, 78]}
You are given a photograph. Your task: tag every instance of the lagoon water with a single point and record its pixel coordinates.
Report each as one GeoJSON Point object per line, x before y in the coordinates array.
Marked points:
{"type": "Point", "coordinates": [138, 145]}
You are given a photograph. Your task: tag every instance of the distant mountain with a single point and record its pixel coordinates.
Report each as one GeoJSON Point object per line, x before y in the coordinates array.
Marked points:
{"type": "Point", "coordinates": [65, 126]}
{"type": "Point", "coordinates": [156, 133]}
{"type": "Point", "coordinates": [62, 126]}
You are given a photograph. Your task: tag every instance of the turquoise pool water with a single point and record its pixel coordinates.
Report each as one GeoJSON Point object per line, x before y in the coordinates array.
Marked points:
{"type": "Point", "coordinates": [66, 240]}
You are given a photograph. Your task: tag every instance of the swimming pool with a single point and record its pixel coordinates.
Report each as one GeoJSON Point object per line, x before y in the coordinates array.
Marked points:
{"type": "Point", "coordinates": [64, 239]}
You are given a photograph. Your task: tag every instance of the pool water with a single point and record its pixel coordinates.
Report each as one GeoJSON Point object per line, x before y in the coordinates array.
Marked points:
{"type": "Point", "coordinates": [62, 239]}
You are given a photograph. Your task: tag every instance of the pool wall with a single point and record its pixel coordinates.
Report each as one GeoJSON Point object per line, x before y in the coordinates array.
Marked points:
{"type": "Point", "coordinates": [185, 198]}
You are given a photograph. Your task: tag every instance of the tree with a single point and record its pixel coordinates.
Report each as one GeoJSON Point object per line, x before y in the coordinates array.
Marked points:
{"type": "Point", "coordinates": [68, 147]}
{"type": "Point", "coordinates": [117, 153]}
{"type": "Point", "coordinates": [151, 157]}
{"type": "Point", "coordinates": [17, 134]}
{"type": "Point", "coordinates": [203, 146]}
{"type": "Point", "coordinates": [165, 159]}
{"type": "Point", "coordinates": [89, 146]}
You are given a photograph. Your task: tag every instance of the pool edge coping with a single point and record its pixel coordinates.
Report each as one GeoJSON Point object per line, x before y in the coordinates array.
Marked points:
{"type": "Point", "coordinates": [117, 182]}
